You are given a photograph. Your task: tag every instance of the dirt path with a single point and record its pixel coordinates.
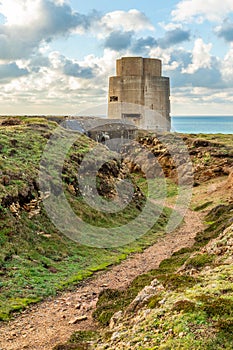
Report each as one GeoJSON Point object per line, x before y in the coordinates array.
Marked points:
{"type": "Point", "coordinates": [53, 321]}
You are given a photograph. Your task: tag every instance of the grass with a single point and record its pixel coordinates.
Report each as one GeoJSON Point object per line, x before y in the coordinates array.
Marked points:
{"type": "Point", "coordinates": [34, 266]}
{"type": "Point", "coordinates": [190, 313]}
{"type": "Point", "coordinates": [203, 206]}
{"type": "Point", "coordinates": [156, 188]}
{"type": "Point", "coordinates": [200, 260]}
{"type": "Point", "coordinates": [111, 301]}
{"type": "Point", "coordinates": [79, 340]}
{"type": "Point", "coordinates": [180, 315]}
{"type": "Point", "coordinates": [36, 260]}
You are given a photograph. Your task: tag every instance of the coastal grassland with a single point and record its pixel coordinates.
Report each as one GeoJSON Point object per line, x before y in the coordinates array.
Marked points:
{"type": "Point", "coordinates": [157, 188]}
{"type": "Point", "coordinates": [36, 260]}
{"type": "Point", "coordinates": [193, 310]}
{"type": "Point", "coordinates": [224, 139]}
{"type": "Point", "coordinates": [113, 301]}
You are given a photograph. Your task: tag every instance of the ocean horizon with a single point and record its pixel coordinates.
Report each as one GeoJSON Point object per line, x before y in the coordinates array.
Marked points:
{"type": "Point", "coordinates": [202, 124]}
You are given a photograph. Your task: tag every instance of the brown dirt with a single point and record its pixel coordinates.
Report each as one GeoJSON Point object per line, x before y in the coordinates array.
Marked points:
{"type": "Point", "coordinates": [53, 321]}
{"type": "Point", "coordinates": [217, 191]}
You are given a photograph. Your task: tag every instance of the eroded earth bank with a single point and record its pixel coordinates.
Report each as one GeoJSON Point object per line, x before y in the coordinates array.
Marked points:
{"type": "Point", "coordinates": [163, 291]}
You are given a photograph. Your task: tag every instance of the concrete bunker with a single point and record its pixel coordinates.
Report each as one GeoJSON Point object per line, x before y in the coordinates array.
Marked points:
{"type": "Point", "coordinates": [140, 94]}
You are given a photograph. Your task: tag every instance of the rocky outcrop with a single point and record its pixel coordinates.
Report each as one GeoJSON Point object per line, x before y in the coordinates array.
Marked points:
{"type": "Point", "coordinates": [169, 153]}
{"type": "Point", "coordinates": [10, 121]}
{"type": "Point", "coordinates": [155, 288]}
{"type": "Point", "coordinates": [229, 182]}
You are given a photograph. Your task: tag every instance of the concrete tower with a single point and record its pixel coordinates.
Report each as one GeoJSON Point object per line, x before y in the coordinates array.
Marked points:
{"type": "Point", "coordinates": [139, 94]}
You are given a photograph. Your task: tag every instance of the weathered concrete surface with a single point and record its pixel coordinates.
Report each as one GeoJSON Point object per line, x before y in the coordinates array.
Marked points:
{"type": "Point", "coordinates": [140, 94]}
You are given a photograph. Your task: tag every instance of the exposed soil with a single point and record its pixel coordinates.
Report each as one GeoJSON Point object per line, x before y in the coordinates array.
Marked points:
{"type": "Point", "coordinates": [52, 322]}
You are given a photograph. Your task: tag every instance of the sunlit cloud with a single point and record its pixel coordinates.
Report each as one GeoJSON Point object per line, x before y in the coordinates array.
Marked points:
{"type": "Point", "coordinates": [199, 10]}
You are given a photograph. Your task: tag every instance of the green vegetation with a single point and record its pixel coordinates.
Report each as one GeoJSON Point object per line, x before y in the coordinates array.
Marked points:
{"type": "Point", "coordinates": [215, 138]}
{"type": "Point", "coordinates": [192, 306]}
{"type": "Point", "coordinates": [193, 311]}
{"type": "Point", "coordinates": [199, 261]}
{"type": "Point", "coordinates": [77, 346]}
{"type": "Point", "coordinates": [159, 188]}
{"type": "Point", "coordinates": [111, 301]}
{"type": "Point", "coordinates": [194, 283]}
{"type": "Point", "coordinates": [36, 260]}
{"type": "Point", "coordinates": [80, 340]}
{"type": "Point", "coordinates": [203, 206]}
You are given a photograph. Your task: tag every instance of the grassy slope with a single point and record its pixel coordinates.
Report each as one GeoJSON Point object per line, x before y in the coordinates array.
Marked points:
{"type": "Point", "coordinates": [192, 310]}
{"type": "Point", "coordinates": [36, 260]}
{"type": "Point", "coordinates": [195, 309]}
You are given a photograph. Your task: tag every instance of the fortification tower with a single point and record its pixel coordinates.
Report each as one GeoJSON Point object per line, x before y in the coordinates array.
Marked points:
{"type": "Point", "coordinates": [138, 93]}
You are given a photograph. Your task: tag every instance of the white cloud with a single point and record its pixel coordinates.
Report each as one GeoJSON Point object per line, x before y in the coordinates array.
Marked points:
{"type": "Point", "coordinates": [36, 80]}
{"type": "Point", "coordinates": [29, 24]}
{"type": "Point", "coordinates": [201, 101]}
{"type": "Point", "coordinates": [163, 54]}
{"type": "Point", "coordinates": [32, 25]}
{"type": "Point", "coordinates": [227, 66]}
{"type": "Point", "coordinates": [133, 20]}
{"type": "Point", "coordinates": [50, 90]}
{"type": "Point", "coordinates": [169, 63]}
{"type": "Point", "coordinates": [220, 96]}
{"type": "Point", "coordinates": [20, 13]}
{"type": "Point", "coordinates": [199, 10]}
{"type": "Point", "coordinates": [201, 57]}
{"type": "Point", "coordinates": [172, 66]}
{"type": "Point", "coordinates": [105, 66]}
{"type": "Point", "coordinates": [170, 26]}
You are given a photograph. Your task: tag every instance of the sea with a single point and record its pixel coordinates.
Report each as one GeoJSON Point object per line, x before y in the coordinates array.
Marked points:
{"type": "Point", "coordinates": [202, 124]}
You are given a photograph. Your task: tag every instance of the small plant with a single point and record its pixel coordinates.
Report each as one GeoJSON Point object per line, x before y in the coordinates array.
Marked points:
{"type": "Point", "coordinates": [175, 281]}
{"type": "Point", "coordinates": [153, 302]}
{"type": "Point", "coordinates": [203, 206]}
{"type": "Point", "coordinates": [207, 158]}
{"type": "Point", "coordinates": [200, 260]}
{"type": "Point", "coordinates": [184, 305]}
{"type": "Point", "coordinates": [216, 306]}
{"type": "Point", "coordinates": [83, 336]}
{"type": "Point", "coordinates": [2, 209]}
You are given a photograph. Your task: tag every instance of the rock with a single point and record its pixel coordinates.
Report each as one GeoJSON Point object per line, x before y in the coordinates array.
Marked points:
{"type": "Point", "coordinates": [78, 319]}
{"type": "Point", "coordinates": [145, 294]}
{"type": "Point", "coordinates": [115, 335]}
{"type": "Point", "coordinates": [91, 305]}
{"type": "Point", "coordinates": [71, 189]}
{"type": "Point", "coordinates": [14, 208]}
{"type": "Point", "coordinates": [115, 318]}
{"type": "Point", "coordinates": [33, 207]}
{"type": "Point", "coordinates": [42, 233]}
{"type": "Point", "coordinates": [146, 312]}
{"type": "Point", "coordinates": [200, 143]}
{"type": "Point", "coordinates": [230, 180]}
{"type": "Point", "coordinates": [11, 121]}
{"type": "Point", "coordinates": [77, 306]}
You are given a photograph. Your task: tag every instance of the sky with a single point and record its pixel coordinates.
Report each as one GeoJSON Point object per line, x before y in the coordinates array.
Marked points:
{"type": "Point", "coordinates": [56, 55]}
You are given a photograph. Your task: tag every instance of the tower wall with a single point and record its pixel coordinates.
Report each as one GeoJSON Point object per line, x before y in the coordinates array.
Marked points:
{"type": "Point", "coordinates": [152, 67]}
{"type": "Point", "coordinates": [140, 94]}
